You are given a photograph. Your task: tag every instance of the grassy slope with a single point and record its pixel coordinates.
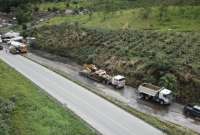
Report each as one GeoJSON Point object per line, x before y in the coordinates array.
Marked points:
{"type": "Point", "coordinates": [35, 113]}
{"type": "Point", "coordinates": [138, 14]}
{"type": "Point", "coordinates": [142, 56]}
{"type": "Point", "coordinates": [140, 18]}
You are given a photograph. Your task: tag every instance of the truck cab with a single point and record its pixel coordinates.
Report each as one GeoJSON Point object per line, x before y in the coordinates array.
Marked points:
{"type": "Point", "coordinates": [17, 47]}
{"type": "Point", "coordinates": [165, 96]}
{"type": "Point", "coordinates": [118, 81]}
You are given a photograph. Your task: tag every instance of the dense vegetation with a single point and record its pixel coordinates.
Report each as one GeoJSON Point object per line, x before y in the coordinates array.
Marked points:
{"type": "Point", "coordinates": [25, 110]}
{"type": "Point", "coordinates": [173, 18]}
{"type": "Point", "coordinates": [152, 41]}
{"type": "Point", "coordinates": [8, 5]}
{"type": "Point", "coordinates": [169, 59]}
{"type": "Point", "coordinates": [6, 108]}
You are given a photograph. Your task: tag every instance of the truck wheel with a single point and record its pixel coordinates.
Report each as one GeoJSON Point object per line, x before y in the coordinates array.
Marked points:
{"type": "Point", "coordinates": [187, 113]}
{"type": "Point", "coordinates": [141, 96]}
{"type": "Point", "coordinates": [161, 102]}
{"type": "Point", "coordinates": [146, 97]}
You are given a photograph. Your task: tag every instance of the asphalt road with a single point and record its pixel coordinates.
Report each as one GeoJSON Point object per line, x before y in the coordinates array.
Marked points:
{"type": "Point", "coordinates": [105, 117]}
{"type": "Point", "coordinates": [172, 113]}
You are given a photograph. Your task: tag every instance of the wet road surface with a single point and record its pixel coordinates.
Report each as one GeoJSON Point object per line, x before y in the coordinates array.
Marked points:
{"type": "Point", "coordinates": [105, 117]}
{"type": "Point", "coordinates": [172, 113]}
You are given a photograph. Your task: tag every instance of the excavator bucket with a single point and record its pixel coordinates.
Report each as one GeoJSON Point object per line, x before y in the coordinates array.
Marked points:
{"type": "Point", "coordinates": [90, 67]}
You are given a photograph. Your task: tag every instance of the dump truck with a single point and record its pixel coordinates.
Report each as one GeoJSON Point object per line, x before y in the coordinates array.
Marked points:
{"type": "Point", "coordinates": [99, 75]}
{"type": "Point", "coordinates": [152, 92]}
{"type": "Point", "coordinates": [17, 47]}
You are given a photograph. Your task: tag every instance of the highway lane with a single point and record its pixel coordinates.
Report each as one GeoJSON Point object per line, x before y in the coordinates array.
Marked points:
{"type": "Point", "coordinates": [105, 117]}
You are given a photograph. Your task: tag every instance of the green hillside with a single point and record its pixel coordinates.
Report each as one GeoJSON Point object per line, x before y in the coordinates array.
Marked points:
{"type": "Point", "coordinates": [152, 41]}
{"type": "Point", "coordinates": [173, 18]}
{"type": "Point", "coordinates": [170, 59]}
{"type": "Point", "coordinates": [170, 15]}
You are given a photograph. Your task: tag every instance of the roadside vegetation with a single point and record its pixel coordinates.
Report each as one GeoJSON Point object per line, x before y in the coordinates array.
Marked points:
{"type": "Point", "coordinates": [151, 41]}
{"type": "Point", "coordinates": [172, 18]}
{"type": "Point", "coordinates": [169, 59]}
{"type": "Point", "coordinates": [26, 110]}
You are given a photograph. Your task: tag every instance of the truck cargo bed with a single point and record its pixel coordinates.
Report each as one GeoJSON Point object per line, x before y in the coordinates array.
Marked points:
{"type": "Point", "coordinates": [149, 89]}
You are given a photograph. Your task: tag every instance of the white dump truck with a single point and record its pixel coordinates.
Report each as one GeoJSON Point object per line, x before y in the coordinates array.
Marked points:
{"type": "Point", "coordinates": [152, 92]}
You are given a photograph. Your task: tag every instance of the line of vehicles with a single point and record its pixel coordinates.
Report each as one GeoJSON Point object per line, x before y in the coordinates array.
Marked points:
{"type": "Point", "coordinates": [146, 91]}
{"type": "Point", "coordinates": [16, 44]}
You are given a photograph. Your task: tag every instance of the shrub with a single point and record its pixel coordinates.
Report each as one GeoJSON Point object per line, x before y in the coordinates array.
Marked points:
{"type": "Point", "coordinates": [49, 9]}
{"type": "Point", "coordinates": [6, 108]}
{"type": "Point", "coordinates": [145, 13]}
{"type": "Point", "coordinates": [150, 79]}
{"type": "Point", "coordinates": [67, 5]}
{"type": "Point", "coordinates": [36, 8]}
{"type": "Point", "coordinates": [54, 9]}
{"type": "Point", "coordinates": [163, 14]}
{"type": "Point", "coordinates": [24, 27]}
{"type": "Point", "coordinates": [169, 81]}
{"type": "Point", "coordinates": [24, 14]}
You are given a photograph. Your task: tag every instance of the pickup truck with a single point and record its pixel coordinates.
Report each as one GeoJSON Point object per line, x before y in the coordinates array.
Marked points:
{"type": "Point", "coordinates": [192, 110]}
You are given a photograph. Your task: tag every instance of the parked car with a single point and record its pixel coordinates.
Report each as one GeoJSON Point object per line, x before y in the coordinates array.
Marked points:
{"type": "Point", "coordinates": [192, 110]}
{"type": "Point", "coordinates": [1, 47]}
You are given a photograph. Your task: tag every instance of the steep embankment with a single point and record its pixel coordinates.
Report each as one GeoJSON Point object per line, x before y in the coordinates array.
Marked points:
{"type": "Point", "coordinates": [163, 58]}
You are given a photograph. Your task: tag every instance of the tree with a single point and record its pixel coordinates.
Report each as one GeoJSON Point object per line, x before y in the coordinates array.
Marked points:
{"type": "Point", "coordinates": [6, 5]}
{"type": "Point", "coordinates": [169, 81]}
{"type": "Point", "coordinates": [24, 14]}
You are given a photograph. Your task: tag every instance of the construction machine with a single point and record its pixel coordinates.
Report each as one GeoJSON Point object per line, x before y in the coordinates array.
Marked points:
{"type": "Point", "coordinates": [99, 75]}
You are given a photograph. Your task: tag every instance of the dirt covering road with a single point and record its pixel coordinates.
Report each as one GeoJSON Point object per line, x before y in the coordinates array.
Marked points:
{"type": "Point", "coordinates": [172, 113]}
